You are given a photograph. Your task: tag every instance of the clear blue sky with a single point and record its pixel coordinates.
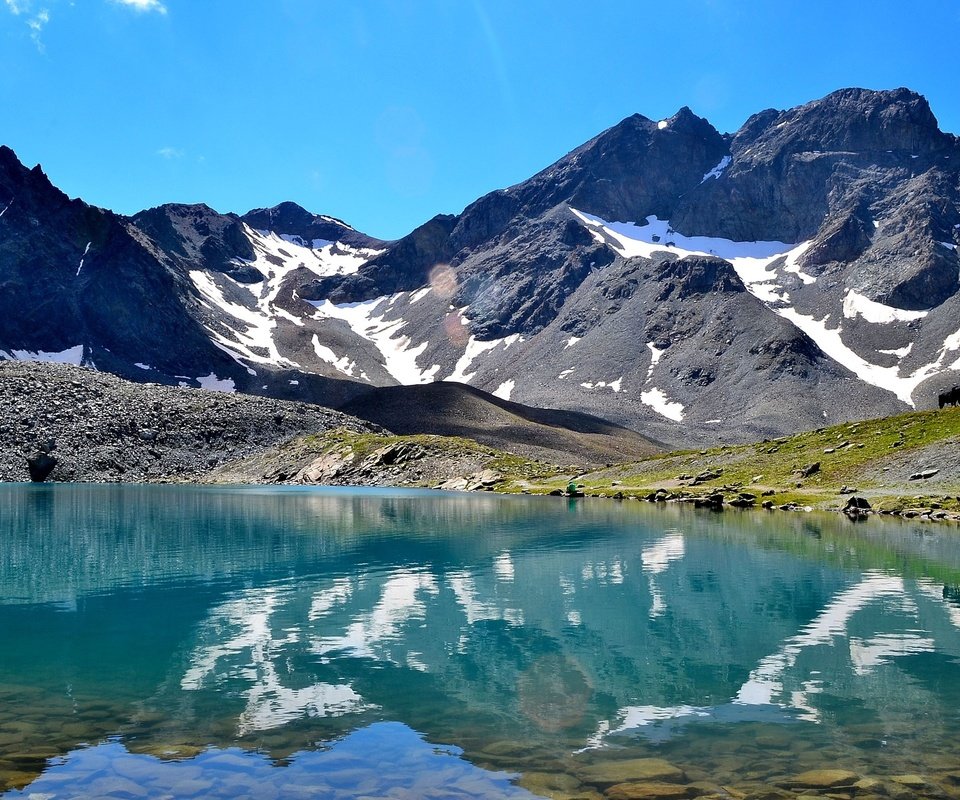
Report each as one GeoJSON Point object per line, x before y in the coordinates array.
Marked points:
{"type": "Point", "coordinates": [386, 112]}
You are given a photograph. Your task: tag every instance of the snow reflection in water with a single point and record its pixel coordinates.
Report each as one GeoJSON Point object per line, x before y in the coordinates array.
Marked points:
{"type": "Point", "coordinates": [301, 620]}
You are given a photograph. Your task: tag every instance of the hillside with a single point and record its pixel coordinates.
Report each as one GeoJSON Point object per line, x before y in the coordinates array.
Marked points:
{"type": "Point", "coordinates": [904, 463]}
{"type": "Point", "coordinates": [453, 409]}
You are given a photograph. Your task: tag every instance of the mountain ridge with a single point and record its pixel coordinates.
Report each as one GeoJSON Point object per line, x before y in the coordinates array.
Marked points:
{"type": "Point", "coordinates": [802, 270]}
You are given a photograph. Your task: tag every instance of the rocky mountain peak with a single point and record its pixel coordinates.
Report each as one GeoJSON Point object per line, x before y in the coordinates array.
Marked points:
{"type": "Point", "coordinates": [290, 219]}
{"type": "Point", "coordinates": [661, 274]}
{"type": "Point", "coordinates": [848, 120]}
{"type": "Point", "coordinates": [27, 189]}
{"type": "Point", "coordinates": [199, 235]}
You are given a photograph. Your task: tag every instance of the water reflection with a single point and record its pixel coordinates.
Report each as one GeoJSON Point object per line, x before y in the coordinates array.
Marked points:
{"type": "Point", "coordinates": [184, 619]}
{"type": "Point", "coordinates": [404, 766]}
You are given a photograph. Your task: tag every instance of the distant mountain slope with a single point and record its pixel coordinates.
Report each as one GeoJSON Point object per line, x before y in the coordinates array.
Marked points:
{"type": "Point", "coordinates": [453, 409]}
{"type": "Point", "coordinates": [693, 285]}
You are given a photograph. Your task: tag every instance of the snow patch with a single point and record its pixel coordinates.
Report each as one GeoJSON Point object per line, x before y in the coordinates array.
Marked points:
{"type": "Point", "coordinates": [664, 123]}
{"type": "Point", "coordinates": [655, 354]}
{"type": "Point", "coordinates": [717, 171]}
{"type": "Point", "coordinates": [949, 245]}
{"type": "Point", "coordinates": [368, 320]}
{"type": "Point", "coordinates": [343, 364]}
{"type": "Point", "coordinates": [751, 260]}
{"type": "Point", "coordinates": [214, 384]}
{"type": "Point", "coordinates": [855, 304]}
{"type": "Point", "coordinates": [418, 295]}
{"type": "Point", "coordinates": [473, 350]}
{"type": "Point", "coordinates": [505, 389]}
{"type": "Point", "coordinates": [657, 400]}
{"type": "Point", "coordinates": [322, 257]}
{"type": "Point", "coordinates": [255, 342]}
{"type": "Point", "coordinates": [903, 352]}
{"type": "Point", "coordinates": [565, 373]}
{"type": "Point", "coordinates": [888, 378]}
{"type": "Point", "coordinates": [142, 366]}
{"type": "Point", "coordinates": [72, 355]}
{"type": "Point", "coordinates": [615, 385]}
{"type": "Point", "coordinates": [571, 341]}
{"type": "Point", "coordinates": [791, 265]}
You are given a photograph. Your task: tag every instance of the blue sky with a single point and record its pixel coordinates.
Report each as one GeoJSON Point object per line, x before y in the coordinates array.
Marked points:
{"type": "Point", "coordinates": [386, 112]}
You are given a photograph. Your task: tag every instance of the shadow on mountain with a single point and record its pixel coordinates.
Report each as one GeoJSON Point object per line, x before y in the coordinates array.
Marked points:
{"type": "Point", "coordinates": [455, 409]}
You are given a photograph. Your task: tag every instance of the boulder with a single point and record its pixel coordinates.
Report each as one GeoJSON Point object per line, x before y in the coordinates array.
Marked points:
{"type": "Point", "coordinates": [609, 773]}
{"type": "Point", "coordinates": [822, 779]}
{"type": "Point", "coordinates": [712, 501]}
{"type": "Point", "coordinates": [706, 475]}
{"type": "Point", "coordinates": [857, 505]}
{"type": "Point", "coordinates": [41, 463]}
{"type": "Point", "coordinates": [650, 791]}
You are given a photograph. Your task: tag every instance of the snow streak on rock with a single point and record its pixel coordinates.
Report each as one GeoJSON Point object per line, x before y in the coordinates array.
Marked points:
{"type": "Point", "coordinates": [369, 321]}
{"type": "Point", "coordinates": [85, 251]}
{"type": "Point", "coordinates": [717, 171]}
{"type": "Point", "coordinates": [473, 350]}
{"type": "Point", "coordinates": [251, 339]}
{"type": "Point", "coordinates": [344, 363]}
{"type": "Point", "coordinates": [759, 267]}
{"type": "Point", "coordinates": [855, 304]}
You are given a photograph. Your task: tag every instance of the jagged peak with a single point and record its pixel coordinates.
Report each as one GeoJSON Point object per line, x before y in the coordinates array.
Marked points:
{"type": "Point", "coordinates": [851, 119]}
{"type": "Point", "coordinates": [182, 210]}
{"type": "Point", "coordinates": [293, 213]}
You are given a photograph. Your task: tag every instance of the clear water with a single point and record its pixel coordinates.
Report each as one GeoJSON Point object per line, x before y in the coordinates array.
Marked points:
{"type": "Point", "coordinates": [208, 642]}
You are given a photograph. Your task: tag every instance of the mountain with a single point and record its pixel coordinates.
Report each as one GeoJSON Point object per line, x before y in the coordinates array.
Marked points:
{"type": "Point", "coordinates": [686, 283]}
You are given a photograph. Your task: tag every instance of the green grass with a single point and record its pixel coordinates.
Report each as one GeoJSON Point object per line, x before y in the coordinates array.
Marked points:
{"type": "Point", "coordinates": [767, 469]}
{"type": "Point", "coordinates": [859, 452]}
{"type": "Point", "coordinates": [516, 470]}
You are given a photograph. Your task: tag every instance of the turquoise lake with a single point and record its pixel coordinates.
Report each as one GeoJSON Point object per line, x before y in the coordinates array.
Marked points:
{"type": "Point", "coordinates": [168, 642]}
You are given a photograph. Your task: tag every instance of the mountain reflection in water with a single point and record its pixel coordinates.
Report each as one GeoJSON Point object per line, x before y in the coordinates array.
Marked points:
{"type": "Point", "coordinates": [286, 620]}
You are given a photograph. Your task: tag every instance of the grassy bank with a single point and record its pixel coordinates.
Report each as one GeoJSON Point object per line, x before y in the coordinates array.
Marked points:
{"type": "Point", "coordinates": [876, 459]}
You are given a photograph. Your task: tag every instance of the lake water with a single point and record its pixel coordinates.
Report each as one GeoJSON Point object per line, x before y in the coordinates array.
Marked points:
{"type": "Point", "coordinates": [272, 643]}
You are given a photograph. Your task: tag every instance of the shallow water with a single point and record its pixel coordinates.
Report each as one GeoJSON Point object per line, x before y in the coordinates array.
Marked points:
{"type": "Point", "coordinates": [211, 642]}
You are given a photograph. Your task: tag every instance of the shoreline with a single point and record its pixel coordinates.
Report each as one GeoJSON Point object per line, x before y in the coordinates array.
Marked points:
{"type": "Point", "coordinates": [716, 501]}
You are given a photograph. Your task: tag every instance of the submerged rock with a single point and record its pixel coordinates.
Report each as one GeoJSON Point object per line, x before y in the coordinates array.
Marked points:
{"type": "Point", "coordinates": [822, 779]}
{"type": "Point", "coordinates": [651, 791]}
{"type": "Point", "coordinates": [609, 773]}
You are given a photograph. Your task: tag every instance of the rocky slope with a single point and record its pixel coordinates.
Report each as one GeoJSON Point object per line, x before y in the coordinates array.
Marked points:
{"type": "Point", "coordinates": [693, 285]}
{"type": "Point", "coordinates": [108, 429]}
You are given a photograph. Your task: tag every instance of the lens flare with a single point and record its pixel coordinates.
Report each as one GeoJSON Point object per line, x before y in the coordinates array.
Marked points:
{"type": "Point", "coordinates": [443, 280]}
{"type": "Point", "coordinates": [455, 329]}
